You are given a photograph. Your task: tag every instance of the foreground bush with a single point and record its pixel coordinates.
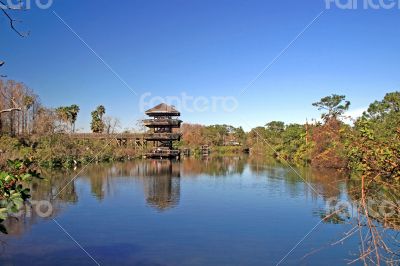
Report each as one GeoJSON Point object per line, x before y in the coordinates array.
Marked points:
{"type": "Point", "coordinates": [14, 178]}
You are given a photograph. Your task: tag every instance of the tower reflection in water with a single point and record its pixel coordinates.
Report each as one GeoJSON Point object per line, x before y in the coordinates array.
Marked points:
{"type": "Point", "coordinates": [162, 184]}
{"type": "Point", "coordinates": [160, 180]}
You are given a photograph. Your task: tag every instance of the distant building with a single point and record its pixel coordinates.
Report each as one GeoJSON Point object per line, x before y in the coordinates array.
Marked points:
{"type": "Point", "coordinates": [163, 119]}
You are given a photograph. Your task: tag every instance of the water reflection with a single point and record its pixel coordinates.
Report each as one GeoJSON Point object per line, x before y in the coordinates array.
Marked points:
{"type": "Point", "coordinates": [161, 181]}
{"type": "Point", "coordinates": [47, 191]}
{"type": "Point", "coordinates": [259, 187]}
{"type": "Point", "coordinates": [214, 166]}
{"type": "Point", "coordinates": [162, 184]}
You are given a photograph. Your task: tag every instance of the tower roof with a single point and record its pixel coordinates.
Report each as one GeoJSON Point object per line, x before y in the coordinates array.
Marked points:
{"type": "Point", "coordinates": [163, 109]}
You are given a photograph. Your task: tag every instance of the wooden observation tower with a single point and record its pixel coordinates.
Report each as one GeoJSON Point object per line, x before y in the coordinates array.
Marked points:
{"type": "Point", "coordinates": [163, 119]}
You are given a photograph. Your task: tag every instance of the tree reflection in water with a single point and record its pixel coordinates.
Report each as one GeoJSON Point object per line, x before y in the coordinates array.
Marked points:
{"type": "Point", "coordinates": [47, 190]}
{"type": "Point", "coordinates": [161, 183]}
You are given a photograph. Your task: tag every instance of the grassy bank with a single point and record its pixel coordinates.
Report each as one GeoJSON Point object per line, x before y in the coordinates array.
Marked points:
{"type": "Point", "coordinates": [61, 151]}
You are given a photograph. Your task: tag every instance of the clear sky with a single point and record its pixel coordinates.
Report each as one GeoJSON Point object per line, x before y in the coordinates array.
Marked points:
{"type": "Point", "coordinates": [208, 49]}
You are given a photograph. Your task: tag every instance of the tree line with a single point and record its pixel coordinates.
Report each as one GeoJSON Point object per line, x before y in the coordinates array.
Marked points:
{"type": "Point", "coordinates": [21, 113]}
{"type": "Point", "coordinates": [370, 143]}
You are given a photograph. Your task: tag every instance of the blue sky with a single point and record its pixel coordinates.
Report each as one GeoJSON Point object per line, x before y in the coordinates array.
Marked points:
{"type": "Point", "coordinates": [204, 49]}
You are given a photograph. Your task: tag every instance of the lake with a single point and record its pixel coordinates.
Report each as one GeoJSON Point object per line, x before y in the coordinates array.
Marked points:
{"type": "Point", "coordinates": [211, 211]}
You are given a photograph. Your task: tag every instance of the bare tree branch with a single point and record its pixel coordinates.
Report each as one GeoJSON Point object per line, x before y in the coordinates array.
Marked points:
{"type": "Point", "coordinates": [10, 110]}
{"type": "Point", "coordinates": [12, 21]}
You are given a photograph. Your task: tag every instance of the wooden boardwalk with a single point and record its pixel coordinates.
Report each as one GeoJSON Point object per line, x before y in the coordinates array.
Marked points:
{"type": "Point", "coordinates": [137, 139]}
{"type": "Point", "coordinates": [126, 136]}
{"type": "Point", "coordinates": [122, 139]}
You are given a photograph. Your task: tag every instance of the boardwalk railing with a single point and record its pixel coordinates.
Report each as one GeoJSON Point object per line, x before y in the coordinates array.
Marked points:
{"type": "Point", "coordinates": [128, 136]}
{"type": "Point", "coordinates": [176, 123]}
{"type": "Point", "coordinates": [162, 136]}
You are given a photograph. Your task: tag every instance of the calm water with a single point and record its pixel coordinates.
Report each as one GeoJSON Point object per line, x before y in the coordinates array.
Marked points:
{"type": "Point", "coordinates": [221, 211]}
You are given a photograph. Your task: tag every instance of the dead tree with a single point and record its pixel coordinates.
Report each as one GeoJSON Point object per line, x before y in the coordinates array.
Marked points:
{"type": "Point", "coordinates": [11, 110]}
{"type": "Point", "coordinates": [5, 9]}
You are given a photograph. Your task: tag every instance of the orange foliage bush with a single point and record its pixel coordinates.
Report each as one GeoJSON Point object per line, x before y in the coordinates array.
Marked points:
{"type": "Point", "coordinates": [329, 147]}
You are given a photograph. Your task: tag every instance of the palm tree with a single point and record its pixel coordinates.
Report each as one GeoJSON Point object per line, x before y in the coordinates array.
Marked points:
{"type": "Point", "coordinates": [101, 110]}
{"type": "Point", "coordinates": [97, 124]}
{"type": "Point", "coordinates": [73, 115]}
{"type": "Point", "coordinates": [62, 115]}
{"type": "Point", "coordinates": [28, 103]}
